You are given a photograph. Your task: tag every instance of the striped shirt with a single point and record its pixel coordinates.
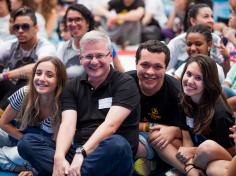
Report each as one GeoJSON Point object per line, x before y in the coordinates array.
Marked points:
{"type": "Point", "coordinates": [16, 101]}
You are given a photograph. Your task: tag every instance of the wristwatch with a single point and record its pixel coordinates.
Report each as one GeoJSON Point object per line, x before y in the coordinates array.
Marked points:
{"type": "Point", "coordinates": [80, 150]}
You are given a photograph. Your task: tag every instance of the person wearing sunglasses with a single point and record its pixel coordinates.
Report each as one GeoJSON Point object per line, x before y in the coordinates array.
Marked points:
{"type": "Point", "coordinates": [100, 113]}
{"type": "Point", "coordinates": [17, 57]}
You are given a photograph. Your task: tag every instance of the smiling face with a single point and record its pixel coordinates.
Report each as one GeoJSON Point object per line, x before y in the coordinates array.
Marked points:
{"type": "Point", "coordinates": [192, 82]}
{"type": "Point", "coordinates": [151, 69]}
{"type": "Point", "coordinates": [97, 67]}
{"type": "Point", "coordinates": [76, 24]}
{"type": "Point", "coordinates": [45, 78]}
{"type": "Point", "coordinates": [197, 44]}
{"type": "Point", "coordinates": [204, 16]}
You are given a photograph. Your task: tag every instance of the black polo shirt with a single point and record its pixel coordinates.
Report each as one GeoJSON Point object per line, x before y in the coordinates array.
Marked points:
{"type": "Point", "coordinates": [92, 105]}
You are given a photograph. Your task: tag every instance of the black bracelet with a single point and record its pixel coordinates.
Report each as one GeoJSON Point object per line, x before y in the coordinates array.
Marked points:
{"type": "Point", "coordinates": [81, 150]}
{"type": "Point", "coordinates": [186, 172]}
{"type": "Point", "coordinates": [189, 164]}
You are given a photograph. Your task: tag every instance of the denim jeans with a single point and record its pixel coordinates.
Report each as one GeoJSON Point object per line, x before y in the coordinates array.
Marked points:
{"type": "Point", "coordinates": [113, 156]}
{"type": "Point", "coordinates": [229, 92]}
{"type": "Point", "coordinates": [9, 156]}
{"type": "Point", "coordinates": [143, 138]}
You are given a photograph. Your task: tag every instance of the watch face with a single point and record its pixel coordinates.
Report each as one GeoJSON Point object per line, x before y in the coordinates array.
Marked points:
{"type": "Point", "coordinates": [78, 150]}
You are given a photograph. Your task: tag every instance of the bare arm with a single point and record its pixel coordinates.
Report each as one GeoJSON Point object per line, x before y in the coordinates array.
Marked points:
{"type": "Point", "coordinates": [19, 73]}
{"type": "Point", "coordinates": [114, 119]}
{"type": "Point", "coordinates": [133, 15]}
{"type": "Point", "coordinates": [66, 132]}
{"type": "Point", "coordinates": [147, 18]}
{"type": "Point", "coordinates": [64, 140]}
{"type": "Point", "coordinates": [51, 23]}
{"type": "Point", "coordinates": [8, 115]}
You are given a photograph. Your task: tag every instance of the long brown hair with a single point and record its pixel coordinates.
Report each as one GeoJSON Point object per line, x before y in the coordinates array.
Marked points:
{"type": "Point", "coordinates": [30, 111]}
{"type": "Point", "coordinates": [203, 113]}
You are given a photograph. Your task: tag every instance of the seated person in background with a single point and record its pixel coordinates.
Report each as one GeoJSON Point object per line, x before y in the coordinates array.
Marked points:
{"type": "Point", "coordinates": [160, 112]}
{"type": "Point", "coordinates": [17, 57]}
{"type": "Point", "coordinates": [199, 41]}
{"type": "Point", "coordinates": [78, 21]}
{"type": "Point", "coordinates": [198, 14]}
{"type": "Point", "coordinates": [122, 20]}
{"type": "Point", "coordinates": [100, 114]}
{"type": "Point", "coordinates": [5, 6]}
{"type": "Point", "coordinates": [35, 108]}
{"type": "Point", "coordinates": [208, 116]}
{"type": "Point", "coordinates": [153, 21]}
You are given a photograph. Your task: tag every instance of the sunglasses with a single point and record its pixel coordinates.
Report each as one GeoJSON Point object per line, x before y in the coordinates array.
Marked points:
{"type": "Point", "coordinates": [25, 27]}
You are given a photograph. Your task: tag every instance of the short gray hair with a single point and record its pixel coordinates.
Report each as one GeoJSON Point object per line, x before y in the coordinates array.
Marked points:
{"type": "Point", "coordinates": [95, 36]}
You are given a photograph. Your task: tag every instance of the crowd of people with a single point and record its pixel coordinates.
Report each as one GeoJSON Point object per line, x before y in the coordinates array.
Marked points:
{"type": "Point", "coordinates": [67, 106]}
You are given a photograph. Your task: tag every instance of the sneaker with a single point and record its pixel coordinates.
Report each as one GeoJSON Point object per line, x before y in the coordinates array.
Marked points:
{"type": "Point", "coordinates": [144, 167]}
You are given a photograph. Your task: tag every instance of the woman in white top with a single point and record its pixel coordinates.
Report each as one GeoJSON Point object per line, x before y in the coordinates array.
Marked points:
{"type": "Point", "coordinates": [199, 41]}
{"type": "Point", "coordinates": [37, 108]}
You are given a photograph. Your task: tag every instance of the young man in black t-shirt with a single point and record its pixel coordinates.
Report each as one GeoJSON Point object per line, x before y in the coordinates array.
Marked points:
{"type": "Point", "coordinates": [160, 111]}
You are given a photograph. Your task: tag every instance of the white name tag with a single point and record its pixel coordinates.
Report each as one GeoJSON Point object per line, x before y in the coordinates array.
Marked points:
{"type": "Point", "coordinates": [189, 121]}
{"type": "Point", "coordinates": [105, 103]}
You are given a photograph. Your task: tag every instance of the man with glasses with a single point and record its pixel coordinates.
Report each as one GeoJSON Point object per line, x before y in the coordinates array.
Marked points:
{"type": "Point", "coordinates": [160, 111]}
{"type": "Point", "coordinates": [100, 114]}
{"type": "Point", "coordinates": [78, 21]}
{"type": "Point", "coordinates": [17, 57]}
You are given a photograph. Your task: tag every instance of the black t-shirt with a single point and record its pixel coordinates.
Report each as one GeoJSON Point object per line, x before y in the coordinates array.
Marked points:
{"type": "Point", "coordinates": [220, 124]}
{"type": "Point", "coordinates": [92, 105]}
{"type": "Point", "coordinates": [163, 107]}
{"type": "Point", "coordinates": [119, 6]}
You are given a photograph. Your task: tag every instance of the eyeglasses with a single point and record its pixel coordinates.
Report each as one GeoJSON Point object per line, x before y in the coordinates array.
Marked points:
{"type": "Point", "coordinates": [75, 20]}
{"type": "Point", "coordinates": [25, 27]}
{"type": "Point", "coordinates": [98, 56]}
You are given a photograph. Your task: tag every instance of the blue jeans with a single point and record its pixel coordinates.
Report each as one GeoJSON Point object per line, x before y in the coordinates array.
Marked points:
{"type": "Point", "coordinates": [229, 92]}
{"type": "Point", "coordinates": [113, 156]}
{"type": "Point", "coordinates": [9, 156]}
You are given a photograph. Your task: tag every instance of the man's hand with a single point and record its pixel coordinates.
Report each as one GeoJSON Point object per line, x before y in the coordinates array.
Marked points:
{"type": "Point", "coordinates": [60, 167]}
{"type": "Point", "coordinates": [76, 164]}
{"type": "Point", "coordinates": [160, 136]}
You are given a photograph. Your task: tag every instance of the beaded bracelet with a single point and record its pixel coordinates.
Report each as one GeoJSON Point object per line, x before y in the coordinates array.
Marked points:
{"type": "Point", "coordinates": [5, 75]}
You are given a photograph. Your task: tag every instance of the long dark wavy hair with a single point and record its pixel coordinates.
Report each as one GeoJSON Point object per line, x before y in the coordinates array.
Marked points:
{"type": "Point", "coordinates": [203, 112]}
{"type": "Point", "coordinates": [30, 111]}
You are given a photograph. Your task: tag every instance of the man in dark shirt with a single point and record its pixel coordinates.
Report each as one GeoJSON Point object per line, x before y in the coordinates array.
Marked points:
{"type": "Point", "coordinates": [122, 20]}
{"type": "Point", "coordinates": [100, 115]}
{"type": "Point", "coordinates": [160, 111]}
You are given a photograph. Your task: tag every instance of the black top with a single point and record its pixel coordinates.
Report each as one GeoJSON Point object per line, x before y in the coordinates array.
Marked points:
{"type": "Point", "coordinates": [220, 124]}
{"type": "Point", "coordinates": [163, 107]}
{"type": "Point", "coordinates": [119, 6]}
{"type": "Point", "coordinates": [92, 105]}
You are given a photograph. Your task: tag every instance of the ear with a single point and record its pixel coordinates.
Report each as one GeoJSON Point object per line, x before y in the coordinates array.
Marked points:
{"type": "Point", "coordinates": [192, 21]}
{"type": "Point", "coordinates": [36, 28]}
{"type": "Point", "coordinates": [210, 44]}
